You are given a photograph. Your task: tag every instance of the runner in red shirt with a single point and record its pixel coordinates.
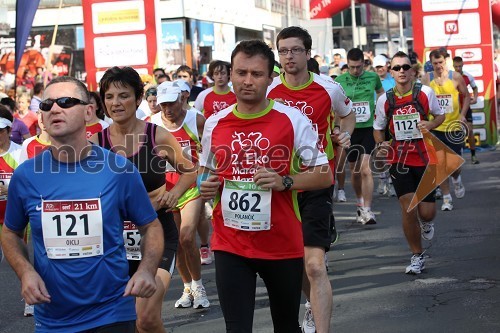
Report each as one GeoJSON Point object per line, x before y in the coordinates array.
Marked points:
{"type": "Point", "coordinates": [317, 99]}
{"type": "Point", "coordinates": [23, 113]}
{"type": "Point", "coordinates": [212, 100]}
{"type": "Point", "coordinates": [411, 153]}
{"type": "Point", "coordinates": [253, 151]}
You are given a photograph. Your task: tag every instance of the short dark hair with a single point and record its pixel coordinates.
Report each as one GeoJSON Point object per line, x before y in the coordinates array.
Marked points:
{"type": "Point", "coordinates": [184, 68]}
{"type": "Point", "coordinates": [218, 65]}
{"type": "Point", "coordinates": [9, 102]}
{"type": "Point", "coordinates": [38, 88]}
{"type": "Point", "coordinates": [124, 76]}
{"type": "Point", "coordinates": [438, 53]}
{"type": "Point", "coordinates": [296, 32]}
{"type": "Point", "coordinates": [400, 54]}
{"type": "Point", "coordinates": [159, 69]}
{"type": "Point", "coordinates": [458, 59]}
{"type": "Point", "coordinates": [82, 89]}
{"type": "Point", "coordinates": [355, 54]}
{"type": "Point", "coordinates": [252, 48]}
{"type": "Point", "coordinates": [313, 66]}
{"type": "Point", "coordinates": [5, 113]}
{"type": "Point", "coordinates": [100, 108]}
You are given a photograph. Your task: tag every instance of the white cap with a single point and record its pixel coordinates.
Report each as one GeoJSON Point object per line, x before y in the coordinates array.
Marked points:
{"type": "Point", "coordinates": [5, 123]}
{"type": "Point", "coordinates": [380, 60]}
{"type": "Point", "coordinates": [324, 69]}
{"type": "Point", "coordinates": [183, 85]}
{"type": "Point", "coordinates": [168, 92]}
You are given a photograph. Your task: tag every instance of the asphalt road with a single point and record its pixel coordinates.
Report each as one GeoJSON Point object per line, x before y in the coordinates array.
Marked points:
{"type": "Point", "coordinates": [458, 292]}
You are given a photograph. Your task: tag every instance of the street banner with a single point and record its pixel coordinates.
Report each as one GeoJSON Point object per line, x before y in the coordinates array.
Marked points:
{"type": "Point", "coordinates": [465, 29]}
{"type": "Point", "coordinates": [25, 13]}
{"type": "Point", "coordinates": [119, 33]}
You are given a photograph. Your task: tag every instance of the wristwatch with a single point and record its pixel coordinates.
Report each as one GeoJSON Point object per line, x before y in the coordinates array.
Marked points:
{"type": "Point", "coordinates": [287, 182]}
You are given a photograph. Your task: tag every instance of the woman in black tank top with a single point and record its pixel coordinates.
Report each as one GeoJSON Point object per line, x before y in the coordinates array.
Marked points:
{"type": "Point", "coordinates": [149, 147]}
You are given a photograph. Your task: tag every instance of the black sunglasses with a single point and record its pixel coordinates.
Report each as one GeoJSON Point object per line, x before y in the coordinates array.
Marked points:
{"type": "Point", "coordinates": [397, 68]}
{"type": "Point", "coordinates": [63, 102]}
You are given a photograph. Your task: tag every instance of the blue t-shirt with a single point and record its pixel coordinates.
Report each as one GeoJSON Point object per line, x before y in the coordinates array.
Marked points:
{"type": "Point", "coordinates": [388, 82]}
{"type": "Point", "coordinates": [86, 292]}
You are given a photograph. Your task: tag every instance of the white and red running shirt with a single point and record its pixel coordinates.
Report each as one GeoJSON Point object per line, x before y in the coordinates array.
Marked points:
{"type": "Point", "coordinates": [415, 151]}
{"type": "Point", "coordinates": [210, 101]}
{"type": "Point", "coordinates": [247, 220]}
{"type": "Point", "coordinates": [96, 128]}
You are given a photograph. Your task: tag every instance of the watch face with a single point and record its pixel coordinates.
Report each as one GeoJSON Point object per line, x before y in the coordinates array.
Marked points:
{"type": "Point", "coordinates": [287, 182]}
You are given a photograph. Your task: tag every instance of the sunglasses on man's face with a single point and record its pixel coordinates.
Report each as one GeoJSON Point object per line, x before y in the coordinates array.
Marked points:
{"type": "Point", "coordinates": [397, 68]}
{"type": "Point", "coordinates": [63, 102]}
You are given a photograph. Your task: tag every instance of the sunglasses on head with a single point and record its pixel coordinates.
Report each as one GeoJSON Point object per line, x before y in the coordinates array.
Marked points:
{"type": "Point", "coordinates": [63, 102]}
{"type": "Point", "coordinates": [397, 68]}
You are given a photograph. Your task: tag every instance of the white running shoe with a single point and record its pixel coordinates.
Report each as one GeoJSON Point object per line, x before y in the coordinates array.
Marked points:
{"type": "Point", "coordinates": [29, 310]}
{"type": "Point", "coordinates": [417, 265]}
{"type": "Point", "coordinates": [200, 299]}
{"type": "Point", "coordinates": [358, 214]}
{"type": "Point", "coordinates": [367, 217]}
{"type": "Point", "coordinates": [459, 189]}
{"type": "Point", "coordinates": [427, 230]}
{"type": "Point", "coordinates": [186, 300]}
{"type": "Point", "coordinates": [447, 205]}
{"type": "Point", "coordinates": [341, 196]}
{"type": "Point", "coordinates": [206, 255]}
{"type": "Point", "coordinates": [308, 325]}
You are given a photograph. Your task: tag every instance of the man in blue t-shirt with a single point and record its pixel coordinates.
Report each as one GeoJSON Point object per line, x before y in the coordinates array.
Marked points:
{"type": "Point", "coordinates": [76, 196]}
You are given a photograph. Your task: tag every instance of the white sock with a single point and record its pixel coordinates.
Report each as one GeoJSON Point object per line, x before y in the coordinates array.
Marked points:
{"type": "Point", "coordinates": [196, 283]}
{"type": "Point", "coordinates": [457, 180]}
{"type": "Point", "coordinates": [447, 196]}
{"type": "Point", "coordinates": [187, 285]}
{"type": "Point", "coordinates": [360, 202]}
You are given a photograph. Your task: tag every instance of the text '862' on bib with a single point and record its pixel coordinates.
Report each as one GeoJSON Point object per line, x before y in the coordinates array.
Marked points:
{"type": "Point", "coordinates": [72, 228]}
{"type": "Point", "coordinates": [246, 206]}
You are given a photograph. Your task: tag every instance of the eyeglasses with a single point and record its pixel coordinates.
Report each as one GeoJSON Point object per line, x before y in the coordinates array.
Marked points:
{"type": "Point", "coordinates": [397, 68]}
{"type": "Point", "coordinates": [294, 51]}
{"type": "Point", "coordinates": [63, 102]}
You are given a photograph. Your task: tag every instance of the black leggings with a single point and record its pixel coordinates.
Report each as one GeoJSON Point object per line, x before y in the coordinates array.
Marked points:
{"type": "Point", "coordinates": [236, 279]}
{"type": "Point", "coordinates": [121, 327]}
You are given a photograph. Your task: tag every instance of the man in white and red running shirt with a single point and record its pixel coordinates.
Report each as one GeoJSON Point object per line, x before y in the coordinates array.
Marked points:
{"type": "Point", "coordinates": [186, 126]}
{"type": "Point", "coordinates": [220, 96]}
{"type": "Point", "coordinates": [405, 110]}
{"type": "Point", "coordinates": [251, 164]}
{"type": "Point", "coordinates": [317, 99]}
{"type": "Point", "coordinates": [458, 65]}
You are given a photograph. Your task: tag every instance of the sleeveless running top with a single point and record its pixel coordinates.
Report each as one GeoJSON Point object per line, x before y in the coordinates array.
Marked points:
{"type": "Point", "coordinates": [150, 166]}
{"type": "Point", "coordinates": [188, 137]}
{"type": "Point", "coordinates": [447, 96]}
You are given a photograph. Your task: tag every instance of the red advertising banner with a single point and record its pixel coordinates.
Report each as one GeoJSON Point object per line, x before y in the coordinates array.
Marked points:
{"type": "Point", "coordinates": [465, 29]}
{"type": "Point", "coordinates": [119, 33]}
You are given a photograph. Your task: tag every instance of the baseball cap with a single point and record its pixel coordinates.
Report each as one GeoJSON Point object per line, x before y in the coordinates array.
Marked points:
{"type": "Point", "coordinates": [324, 69]}
{"type": "Point", "coordinates": [379, 60]}
{"type": "Point", "coordinates": [168, 92]}
{"type": "Point", "coordinates": [5, 123]}
{"type": "Point", "coordinates": [183, 85]}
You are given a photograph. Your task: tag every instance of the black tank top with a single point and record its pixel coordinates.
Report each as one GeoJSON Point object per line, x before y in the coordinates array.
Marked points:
{"type": "Point", "coordinates": [151, 166]}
